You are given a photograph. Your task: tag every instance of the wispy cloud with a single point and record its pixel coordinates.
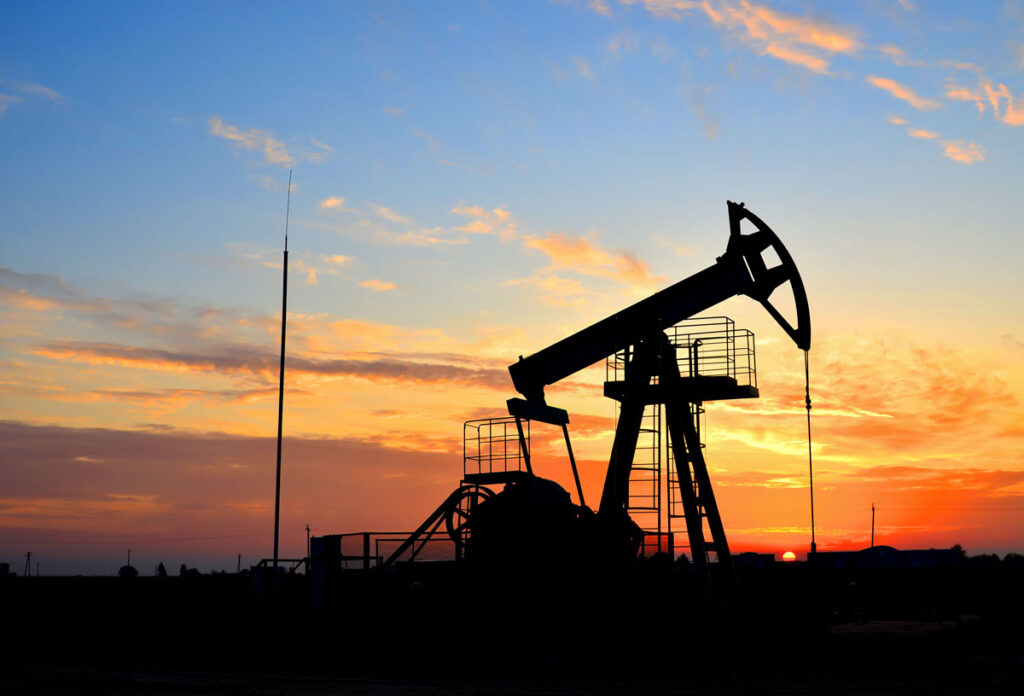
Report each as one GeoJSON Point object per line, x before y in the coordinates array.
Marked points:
{"type": "Point", "coordinates": [998, 98]}
{"type": "Point", "coordinates": [379, 285]}
{"type": "Point", "coordinates": [684, 250]}
{"type": "Point", "coordinates": [583, 66]}
{"type": "Point", "coordinates": [698, 103]}
{"type": "Point", "coordinates": [1011, 114]}
{"type": "Point", "coordinates": [897, 120]}
{"type": "Point", "coordinates": [337, 259]}
{"type": "Point", "coordinates": [35, 90]}
{"type": "Point", "coordinates": [273, 150]}
{"type": "Point", "coordinates": [803, 41]}
{"type": "Point", "coordinates": [621, 43]}
{"type": "Point", "coordinates": [963, 152]}
{"type": "Point", "coordinates": [585, 256]}
{"type": "Point", "coordinates": [321, 151]}
{"type": "Point", "coordinates": [25, 91]}
{"type": "Point", "coordinates": [959, 93]}
{"type": "Point", "coordinates": [432, 142]}
{"type": "Point", "coordinates": [388, 214]}
{"type": "Point", "coordinates": [903, 92]}
{"type": "Point", "coordinates": [454, 165]}
{"type": "Point", "coordinates": [258, 361]}
{"type": "Point", "coordinates": [332, 203]}
{"type": "Point", "coordinates": [393, 110]}
{"type": "Point", "coordinates": [801, 58]}
{"type": "Point", "coordinates": [921, 133]}
{"type": "Point", "coordinates": [6, 100]}
{"type": "Point", "coordinates": [556, 291]}
{"type": "Point", "coordinates": [483, 221]}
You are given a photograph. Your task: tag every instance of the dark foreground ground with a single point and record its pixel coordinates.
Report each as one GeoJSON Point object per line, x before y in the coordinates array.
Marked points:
{"type": "Point", "coordinates": [787, 629]}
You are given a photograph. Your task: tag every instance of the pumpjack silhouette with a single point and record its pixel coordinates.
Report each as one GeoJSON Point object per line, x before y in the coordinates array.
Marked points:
{"type": "Point", "coordinates": [656, 360]}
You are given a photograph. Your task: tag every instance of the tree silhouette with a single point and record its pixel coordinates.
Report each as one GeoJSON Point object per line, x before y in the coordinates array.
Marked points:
{"type": "Point", "coordinates": [161, 572]}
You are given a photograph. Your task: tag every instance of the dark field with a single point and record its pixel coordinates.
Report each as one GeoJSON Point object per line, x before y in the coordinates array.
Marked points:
{"type": "Point", "coordinates": [437, 629]}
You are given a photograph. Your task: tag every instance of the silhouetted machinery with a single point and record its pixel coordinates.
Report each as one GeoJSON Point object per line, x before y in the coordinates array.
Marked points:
{"type": "Point", "coordinates": [658, 358]}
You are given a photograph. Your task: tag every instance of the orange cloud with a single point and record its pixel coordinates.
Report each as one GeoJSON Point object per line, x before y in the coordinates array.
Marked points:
{"type": "Point", "coordinates": [789, 55]}
{"type": "Point", "coordinates": [264, 364]}
{"type": "Point", "coordinates": [989, 96]}
{"type": "Point", "coordinates": [965, 153]}
{"type": "Point", "coordinates": [897, 121]}
{"type": "Point", "coordinates": [583, 255]}
{"type": "Point", "coordinates": [557, 291]}
{"type": "Point", "coordinates": [995, 94]}
{"type": "Point", "coordinates": [332, 203]}
{"type": "Point", "coordinates": [807, 31]}
{"type": "Point", "coordinates": [337, 259]}
{"type": "Point", "coordinates": [1014, 115]}
{"type": "Point", "coordinates": [379, 285]}
{"type": "Point", "coordinates": [25, 300]}
{"type": "Point", "coordinates": [493, 221]}
{"type": "Point", "coordinates": [958, 93]}
{"type": "Point", "coordinates": [921, 133]}
{"type": "Point", "coordinates": [797, 40]}
{"type": "Point", "coordinates": [903, 92]}
{"type": "Point", "coordinates": [389, 214]}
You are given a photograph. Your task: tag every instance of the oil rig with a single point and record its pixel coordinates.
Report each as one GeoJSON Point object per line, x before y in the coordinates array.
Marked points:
{"type": "Point", "coordinates": [663, 363]}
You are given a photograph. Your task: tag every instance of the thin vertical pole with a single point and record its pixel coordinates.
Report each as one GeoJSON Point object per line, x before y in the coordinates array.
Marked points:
{"type": "Point", "coordinates": [872, 526]}
{"type": "Point", "coordinates": [280, 391]}
{"type": "Point", "coordinates": [810, 454]}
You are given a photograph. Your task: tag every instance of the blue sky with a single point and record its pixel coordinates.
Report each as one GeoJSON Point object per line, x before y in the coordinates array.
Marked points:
{"type": "Point", "coordinates": [478, 179]}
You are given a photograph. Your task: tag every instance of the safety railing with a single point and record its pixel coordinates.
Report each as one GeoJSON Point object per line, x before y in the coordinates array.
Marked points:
{"type": "Point", "coordinates": [368, 550]}
{"type": "Point", "coordinates": [491, 446]}
{"type": "Point", "coordinates": [705, 346]}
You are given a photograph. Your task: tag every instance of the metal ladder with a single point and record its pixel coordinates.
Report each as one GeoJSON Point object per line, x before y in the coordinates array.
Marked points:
{"type": "Point", "coordinates": [645, 488]}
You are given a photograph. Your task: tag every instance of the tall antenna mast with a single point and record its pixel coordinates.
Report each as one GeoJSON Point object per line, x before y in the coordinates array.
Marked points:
{"type": "Point", "coordinates": [280, 391]}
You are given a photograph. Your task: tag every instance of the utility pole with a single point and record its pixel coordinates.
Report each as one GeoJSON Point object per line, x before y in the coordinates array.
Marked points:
{"type": "Point", "coordinates": [238, 568]}
{"type": "Point", "coordinates": [28, 564]}
{"type": "Point", "coordinates": [872, 525]}
{"type": "Point", "coordinates": [129, 557]}
{"type": "Point", "coordinates": [307, 540]}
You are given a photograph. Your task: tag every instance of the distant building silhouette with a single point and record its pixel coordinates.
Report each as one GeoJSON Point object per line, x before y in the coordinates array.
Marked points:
{"type": "Point", "coordinates": [888, 557]}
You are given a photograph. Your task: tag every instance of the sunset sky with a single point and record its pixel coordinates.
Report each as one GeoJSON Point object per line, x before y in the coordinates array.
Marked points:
{"type": "Point", "coordinates": [472, 182]}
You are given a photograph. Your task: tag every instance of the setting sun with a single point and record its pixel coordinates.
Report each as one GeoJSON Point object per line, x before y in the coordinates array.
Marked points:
{"type": "Point", "coordinates": [789, 557]}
